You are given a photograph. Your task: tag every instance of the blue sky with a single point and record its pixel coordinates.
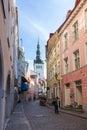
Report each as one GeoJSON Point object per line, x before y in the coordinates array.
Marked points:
{"type": "Point", "coordinates": [39, 18]}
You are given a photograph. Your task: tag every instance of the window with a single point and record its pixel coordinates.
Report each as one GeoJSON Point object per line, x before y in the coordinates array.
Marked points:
{"type": "Point", "coordinates": [58, 50]}
{"type": "Point", "coordinates": [75, 31]}
{"type": "Point", "coordinates": [9, 30]}
{"type": "Point", "coordinates": [67, 85]}
{"type": "Point", "coordinates": [39, 67]}
{"type": "Point", "coordinates": [77, 59]}
{"type": "Point", "coordinates": [59, 66]}
{"type": "Point", "coordinates": [53, 71]}
{"type": "Point", "coordinates": [86, 20]}
{"type": "Point", "coordinates": [4, 7]}
{"type": "Point", "coordinates": [78, 83]}
{"type": "Point", "coordinates": [66, 41]}
{"type": "Point", "coordinates": [66, 64]}
{"type": "Point", "coordinates": [54, 54]}
{"type": "Point", "coordinates": [55, 68]}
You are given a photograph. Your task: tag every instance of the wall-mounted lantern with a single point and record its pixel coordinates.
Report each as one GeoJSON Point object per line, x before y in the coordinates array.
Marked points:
{"type": "Point", "coordinates": [57, 77]}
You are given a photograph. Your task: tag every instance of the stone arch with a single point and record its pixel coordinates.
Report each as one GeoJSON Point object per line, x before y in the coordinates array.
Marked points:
{"type": "Point", "coordinates": [8, 98]}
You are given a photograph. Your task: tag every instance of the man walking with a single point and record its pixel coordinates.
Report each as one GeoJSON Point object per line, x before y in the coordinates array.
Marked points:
{"type": "Point", "coordinates": [56, 105]}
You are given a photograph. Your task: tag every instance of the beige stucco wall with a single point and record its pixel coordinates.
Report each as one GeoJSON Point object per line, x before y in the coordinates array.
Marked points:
{"type": "Point", "coordinates": [6, 56]}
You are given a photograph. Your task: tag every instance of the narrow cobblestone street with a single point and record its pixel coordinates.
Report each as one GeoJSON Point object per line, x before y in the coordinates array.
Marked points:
{"type": "Point", "coordinates": [43, 118]}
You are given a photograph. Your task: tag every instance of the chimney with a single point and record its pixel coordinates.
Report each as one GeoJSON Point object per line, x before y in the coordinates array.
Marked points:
{"type": "Point", "coordinates": [51, 34]}
{"type": "Point", "coordinates": [68, 13]}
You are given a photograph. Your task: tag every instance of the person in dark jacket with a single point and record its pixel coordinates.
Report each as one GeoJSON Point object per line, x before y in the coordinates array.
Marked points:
{"type": "Point", "coordinates": [56, 105]}
{"type": "Point", "coordinates": [53, 102]}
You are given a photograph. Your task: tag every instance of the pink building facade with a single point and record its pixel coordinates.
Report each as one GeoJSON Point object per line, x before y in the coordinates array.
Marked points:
{"type": "Point", "coordinates": [7, 40]}
{"type": "Point", "coordinates": [73, 39]}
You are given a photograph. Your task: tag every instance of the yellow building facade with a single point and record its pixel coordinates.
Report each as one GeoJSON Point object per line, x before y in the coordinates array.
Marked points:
{"type": "Point", "coordinates": [53, 66]}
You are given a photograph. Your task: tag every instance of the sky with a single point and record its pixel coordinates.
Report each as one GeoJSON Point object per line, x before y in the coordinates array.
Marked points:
{"type": "Point", "coordinates": [37, 19]}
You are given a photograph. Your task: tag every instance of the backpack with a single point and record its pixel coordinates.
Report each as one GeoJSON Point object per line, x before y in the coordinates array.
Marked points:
{"type": "Point", "coordinates": [53, 102]}
{"type": "Point", "coordinates": [56, 103]}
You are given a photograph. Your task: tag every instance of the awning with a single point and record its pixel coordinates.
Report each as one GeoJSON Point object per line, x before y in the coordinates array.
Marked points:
{"type": "Point", "coordinates": [33, 76]}
{"type": "Point", "coordinates": [24, 79]}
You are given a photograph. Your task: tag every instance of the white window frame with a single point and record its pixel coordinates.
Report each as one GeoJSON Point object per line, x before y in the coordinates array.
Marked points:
{"type": "Point", "coordinates": [77, 56]}
{"type": "Point", "coordinates": [75, 31]}
{"type": "Point", "coordinates": [58, 66]}
{"type": "Point", "coordinates": [86, 19]}
{"type": "Point", "coordinates": [66, 41]}
{"type": "Point", "coordinates": [66, 65]}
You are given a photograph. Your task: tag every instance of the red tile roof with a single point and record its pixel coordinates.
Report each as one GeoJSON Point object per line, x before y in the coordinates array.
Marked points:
{"type": "Point", "coordinates": [76, 3]}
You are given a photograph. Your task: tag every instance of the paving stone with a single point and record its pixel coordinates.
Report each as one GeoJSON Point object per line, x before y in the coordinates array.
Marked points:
{"type": "Point", "coordinates": [43, 118]}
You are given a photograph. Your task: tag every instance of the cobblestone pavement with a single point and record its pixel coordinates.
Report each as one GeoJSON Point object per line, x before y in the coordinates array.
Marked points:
{"type": "Point", "coordinates": [17, 121]}
{"type": "Point", "coordinates": [43, 118]}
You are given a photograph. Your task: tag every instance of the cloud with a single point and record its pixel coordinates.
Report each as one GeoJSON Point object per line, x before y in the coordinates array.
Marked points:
{"type": "Point", "coordinates": [40, 29]}
{"type": "Point", "coordinates": [32, 25]}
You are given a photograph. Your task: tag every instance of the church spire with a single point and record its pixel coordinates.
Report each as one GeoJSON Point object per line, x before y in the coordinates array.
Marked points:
{"type": "Point", "coordinates": [38, 51]}
{"type": "Point", "coordinates": [38, 60]}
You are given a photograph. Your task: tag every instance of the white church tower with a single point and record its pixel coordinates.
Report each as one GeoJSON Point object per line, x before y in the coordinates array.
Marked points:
{"type": "Point", "coordinates": [38, 63]}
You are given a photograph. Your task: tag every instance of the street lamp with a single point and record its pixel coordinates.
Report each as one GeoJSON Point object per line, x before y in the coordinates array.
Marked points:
{"type": "Point", "coordinates": [57, 76]}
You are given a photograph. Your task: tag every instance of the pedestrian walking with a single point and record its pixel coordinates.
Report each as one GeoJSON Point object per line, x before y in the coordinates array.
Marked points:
{"type": "Point", "coordinates": [56, 107]}
{"type": "Point", "coordinates": [34, 98]}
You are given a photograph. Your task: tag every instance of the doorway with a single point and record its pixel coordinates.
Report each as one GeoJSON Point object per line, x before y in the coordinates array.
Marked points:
{"type": "Point", "coordinates": [67, 94]}
{"type": "Point", "coordinates": [78, 92]}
